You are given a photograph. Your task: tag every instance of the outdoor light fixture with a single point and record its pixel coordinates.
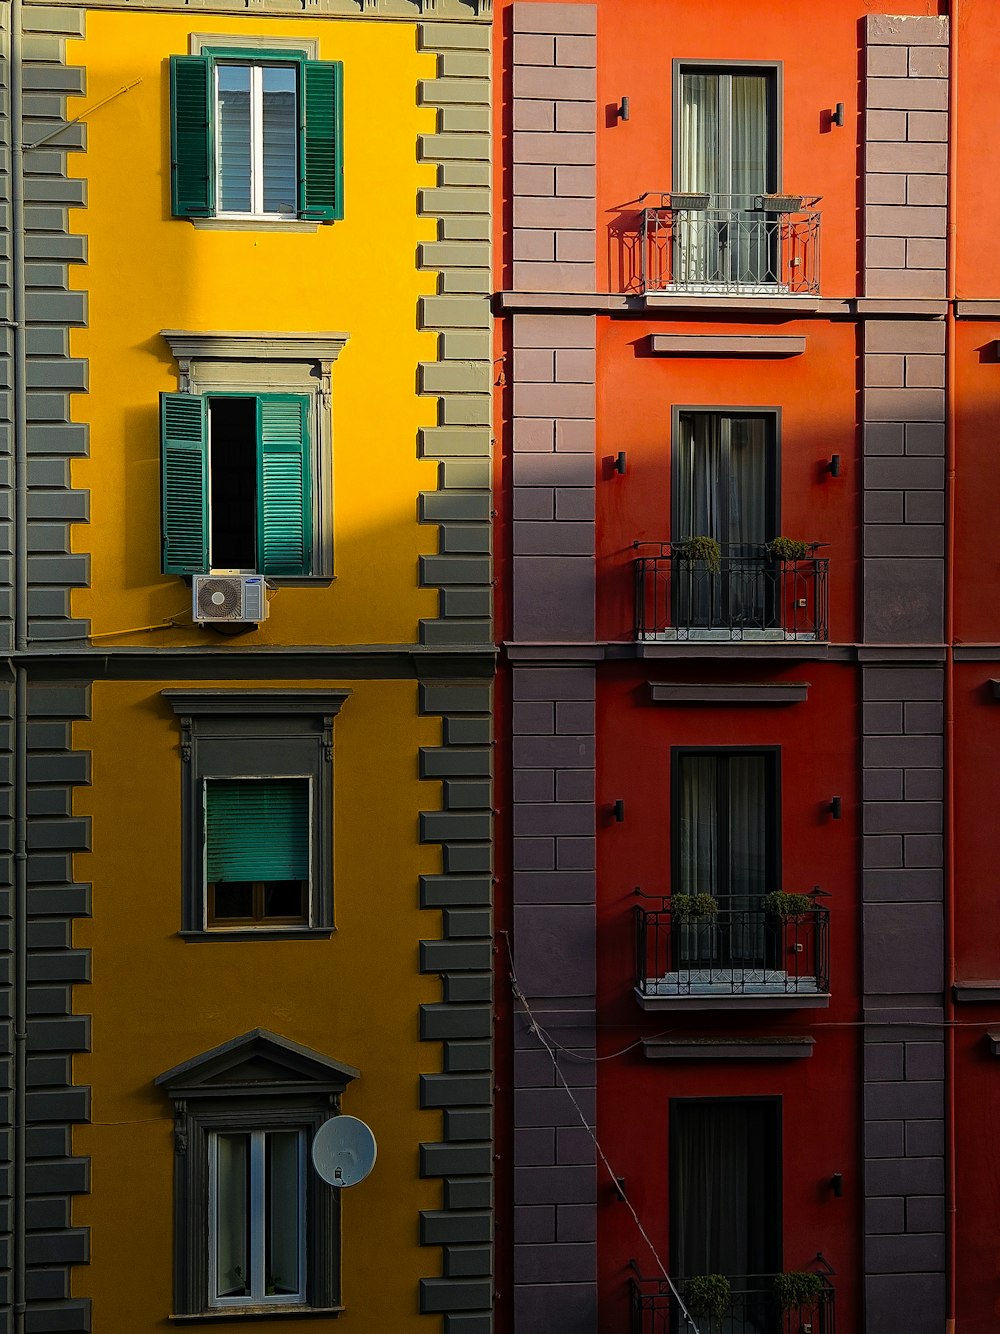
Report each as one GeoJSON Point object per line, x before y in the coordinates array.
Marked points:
{"type": "Point", "coordinates": [620, 463]}
{"type": "Point", "coordinates": [623, 109]}
{"type": "Point", "coordinates": [836, 807]}
{"type": "Point", "coordinates": [837, 1184]}
{"type": "Point", "coordinates": [833, 467]}
{"type": "Point", "coordinates": [620, 811]}
{"type": "Point", "coordinates": [838, 116]}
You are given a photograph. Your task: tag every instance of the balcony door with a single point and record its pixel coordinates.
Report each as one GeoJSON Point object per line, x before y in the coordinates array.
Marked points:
{"type": "Point", "coordinates": [726, 146]}
{"type": "Point", "coordinates": [725, 482]}
{"type": "Point", "coordinates": [725, 1201]}
{"type": "Point", "coordinates": [725, 819]}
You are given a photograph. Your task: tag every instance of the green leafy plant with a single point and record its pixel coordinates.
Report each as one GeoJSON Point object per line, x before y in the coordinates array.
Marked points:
{"type": "Point", "coordinates": [701, 548]}
{"type": "Point", "coordinates": [708, 1295]}
{"type": "Point", "coordinates": [692, 907]}
{"type": "Point", "coordinates": [788, 548]}
{"type": "Point", "coordinates": [797, 1288]}
{"type": "Point", "coordinates": [779, 904]}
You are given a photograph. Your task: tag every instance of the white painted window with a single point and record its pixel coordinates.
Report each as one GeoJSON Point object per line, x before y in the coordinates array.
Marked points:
{"type": "Point", "coordinates": [257, 1218]}
{"type": "Point", "coordinates": [256, 147]}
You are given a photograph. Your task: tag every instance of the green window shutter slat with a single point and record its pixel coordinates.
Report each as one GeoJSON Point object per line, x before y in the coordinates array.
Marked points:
{"type": "Point", "coordinates": [184, 484]}
{"type": "Point", "coordinates": [256, 829]}
{"type": "Point", "coordinates": [321, 150]}
{"type": "Point", "coordinates": [191, 183]}
{"type": "Point", "coordinates": [283, 490]}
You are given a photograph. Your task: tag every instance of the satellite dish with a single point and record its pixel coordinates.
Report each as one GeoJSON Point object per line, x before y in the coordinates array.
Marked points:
{"type": "Point", "coordinates": [343, 1151]}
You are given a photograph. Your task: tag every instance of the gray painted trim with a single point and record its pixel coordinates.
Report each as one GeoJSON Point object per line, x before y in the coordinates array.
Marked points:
{"type": "Point", "coordinates": [712, 692]}
{"type": "Point", "coordinates": [726, 345]}
{"type": "Point", "coordinates": [709, 1004]}
{"type": "Point", "coordinates": [269, 345]}
{"type": "Point", "coordinates": [441, 11]}
{"type": "Point", "coordinates": [307, 46]}
{"type": "Point", "coordinates": [217, 1072]}
{"type": "Point", "coordinates": [728, 1049]}
{"type": "Point", "coordinates": [974, 993]}
{"type": "Point", "coordinates": [462, 1021]}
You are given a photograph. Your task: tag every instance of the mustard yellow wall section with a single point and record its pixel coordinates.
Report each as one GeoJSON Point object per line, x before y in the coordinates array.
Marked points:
{"type": "Point", "coordinates": [148, 271]}
{"type": "Point", "coordinates": [157, 1000]}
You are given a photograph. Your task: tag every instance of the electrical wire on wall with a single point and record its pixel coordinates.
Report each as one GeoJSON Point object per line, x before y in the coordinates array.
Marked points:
{"type": "Point", "coordinates": [549, 1045]}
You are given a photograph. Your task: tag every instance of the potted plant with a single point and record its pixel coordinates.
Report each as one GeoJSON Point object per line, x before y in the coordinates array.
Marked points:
{"type": "Point", "coordinates": [701, 548]}
{"type": "Point", "coordinates": [797, 1288]}
{"type": "Point", "coordinates": [789, 907]}
{"type": "Point", "coordinates": [693, 907]}
{"type": "Point", "coordinates": [708, 1295]}
{"type": "Point", "coordinates": [788, 548]}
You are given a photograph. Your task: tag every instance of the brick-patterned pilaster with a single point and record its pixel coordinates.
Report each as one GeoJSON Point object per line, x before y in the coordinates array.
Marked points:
{"type": "Point", "coordinates": [903, 944]}
{"type": "Point", "coordinates": [906, 156]}
{"type": "Point", "coordinates": [554, 146]}
{"type": "Point", "coordinates": [555, 884]}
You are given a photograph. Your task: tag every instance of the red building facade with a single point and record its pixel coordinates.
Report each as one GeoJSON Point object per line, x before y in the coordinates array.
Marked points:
{"type": "Point", "coordinates": [746, 293]}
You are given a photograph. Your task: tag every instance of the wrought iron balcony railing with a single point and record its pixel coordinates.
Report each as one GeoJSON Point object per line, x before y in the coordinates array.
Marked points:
{"type": "Point", "coordinates": [751, 595]}
{"type": "Point", "coordinates": [739, 950]}
{"type": "Point", "coordinates": [754, 1307]}
{"type": "Point", "coordinates": [730, 244]}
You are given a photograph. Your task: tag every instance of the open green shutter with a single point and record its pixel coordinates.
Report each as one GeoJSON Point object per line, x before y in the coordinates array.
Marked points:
{"type": "Point", "coordinates": [184, 483]}
{"type": "Point", "coordinates": [284, 493]}
{"type": "Point", "coordinates": [321, 141]}
{"type": "Point", "coordinates": [256, 829]}
{"type": "Point", "coordinates": [191, 183]}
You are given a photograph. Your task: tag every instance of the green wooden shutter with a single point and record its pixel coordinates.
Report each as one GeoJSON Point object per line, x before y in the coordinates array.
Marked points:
{"type": "Point", "coordinates": [321, 141]}
{"type": "Point", "coordinates": [284, 493]}
{"type": "Point", "coordinates": [191, 176]}
{"type": "Point", "coordinates": [184, 485]}
{"type": "Point", "coordinates": [256, 829]}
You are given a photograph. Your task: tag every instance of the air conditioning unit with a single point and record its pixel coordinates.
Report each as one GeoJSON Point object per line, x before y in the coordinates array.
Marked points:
{"type": "Point", "coordinates": [229, 598]}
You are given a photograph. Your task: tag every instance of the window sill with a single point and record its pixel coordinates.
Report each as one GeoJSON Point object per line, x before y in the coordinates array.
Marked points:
{"type": "Point", "coordinates": [259, 933]}
{"type": "Point", "coordinates": [255, 225]}
{"type": "Point", "coordinates": [257, 1313]}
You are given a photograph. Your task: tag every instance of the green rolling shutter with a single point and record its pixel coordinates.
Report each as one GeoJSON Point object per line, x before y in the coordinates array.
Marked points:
{"type": "Point", "coordinates": [283, 484]}
{"type": "Point", "coordinates": [321, 141]}
{"type": "Point", "coordinates": [256, 829]}
{"type": "Point", "coordinates": [191, 176]}
{"type": "Point", "coordinates": [184, 484]}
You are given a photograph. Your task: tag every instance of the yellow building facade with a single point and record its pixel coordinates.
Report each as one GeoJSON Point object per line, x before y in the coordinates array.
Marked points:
{"type": "Point", "coordinates": [249, 634]}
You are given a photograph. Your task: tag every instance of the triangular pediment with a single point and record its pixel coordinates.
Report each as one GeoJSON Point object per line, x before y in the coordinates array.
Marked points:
{"type": "Point", "coordinates": [258, 1061]}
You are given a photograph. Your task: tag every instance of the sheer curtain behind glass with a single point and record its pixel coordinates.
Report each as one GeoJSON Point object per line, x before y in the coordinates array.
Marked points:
{"type": "Point", "coordinates": [750, 247]}
{"type": "Point", "coordinates": [698, 861]}
{"type": "Point", "coordinates": [747, 855]}
{"type": "Point", "coordinates": [696, 258]}
{"type": "Point", "coordinates": [232, 1249]}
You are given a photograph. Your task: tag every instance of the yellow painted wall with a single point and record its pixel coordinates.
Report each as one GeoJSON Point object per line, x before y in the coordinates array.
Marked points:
{"type": "Point", "coordinates": [157, 1000]}
{"type": "Point", "coordinates": [148, 271]}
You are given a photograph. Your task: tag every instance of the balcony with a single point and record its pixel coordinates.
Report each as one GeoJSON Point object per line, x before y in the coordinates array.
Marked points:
{"type": "Point", "coordinates": [736, 958]}
{"type": "Point", "coordinates": [752, 595]}
{"type": "Point", "coordinates": [754, 1307]}
{"type": "Point", "coordinates": [729, 245]}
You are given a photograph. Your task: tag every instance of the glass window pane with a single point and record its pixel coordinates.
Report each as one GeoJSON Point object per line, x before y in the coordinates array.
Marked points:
{"type": "Point", "coordinates": [232, 900]}
{"type": "Point", "coordinates": [279, 134]}
{"type": "Point", "coordinates": [283, 1196]}
{"type": "Point", "coordinates": [232, 1168]}
{"type": "Point", "coordinates": [699, 825]}
{"type": "Point", "coordinates": [284, 898]}
{"type": "Point", "coordinates": [233, 118]}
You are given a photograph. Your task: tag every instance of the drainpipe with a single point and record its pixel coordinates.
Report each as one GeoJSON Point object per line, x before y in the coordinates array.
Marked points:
{"type": "Point", "coordinates": [949, 677]}
{"type": "Point", "coordinates": [20, 533]}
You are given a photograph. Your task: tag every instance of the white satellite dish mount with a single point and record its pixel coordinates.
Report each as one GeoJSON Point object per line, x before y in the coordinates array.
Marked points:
{"type": "Point", "coordinates": [344, 1151]}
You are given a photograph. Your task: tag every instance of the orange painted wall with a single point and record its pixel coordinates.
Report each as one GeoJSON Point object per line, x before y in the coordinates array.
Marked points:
{"type": "Point", "coordinates": [817, 396]}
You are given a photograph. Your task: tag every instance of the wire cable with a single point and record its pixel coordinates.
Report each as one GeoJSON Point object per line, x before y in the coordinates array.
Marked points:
{"type": "Point", "coordinates": [542, 1037]}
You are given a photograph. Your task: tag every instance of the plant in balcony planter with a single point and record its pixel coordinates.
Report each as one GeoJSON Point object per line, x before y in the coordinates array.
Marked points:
{"type": "Point", "coordinates": [708, 1295]}
{"type": "Point", "coordinates": [701, 548]}
{"type": "Point", "coordinates": [797, 1288]}
{"type": "Point", "coordinates": [694, 907]}
{"type": "Point", "coordinates": [788, 548]}
{"type": "Point", "coordinates": [789, 907]}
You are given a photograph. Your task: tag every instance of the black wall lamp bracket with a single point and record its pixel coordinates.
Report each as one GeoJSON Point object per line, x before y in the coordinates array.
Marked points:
{"type": "Point", "coordinates": [624, 109]}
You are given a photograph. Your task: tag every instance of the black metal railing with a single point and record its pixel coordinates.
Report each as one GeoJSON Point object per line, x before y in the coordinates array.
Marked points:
{"type": "Point", "coordinates": [754, 1307]}
{"type": "Point", "coordinates": [750, 594]}
{"type": "Point", "coordinates": [730, 244]}
{"type": "Point", "coordinates": [738, 950]}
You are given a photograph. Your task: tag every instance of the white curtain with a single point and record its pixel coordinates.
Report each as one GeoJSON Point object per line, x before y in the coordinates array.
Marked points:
{"type": "Point", "coordinates": [747, 855]}
{"type": "Point", "coordinates": [696, 255]}
{"type": "Point", "coordinates": [698, 942]}
{"type": "Point", "coordinates": [750, 248]}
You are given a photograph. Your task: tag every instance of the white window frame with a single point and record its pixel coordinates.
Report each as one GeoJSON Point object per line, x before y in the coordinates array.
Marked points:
{"type": "Point", "coordinates": [256, 68]}
{"type": "Point", "coordinates": [257, 1222]}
